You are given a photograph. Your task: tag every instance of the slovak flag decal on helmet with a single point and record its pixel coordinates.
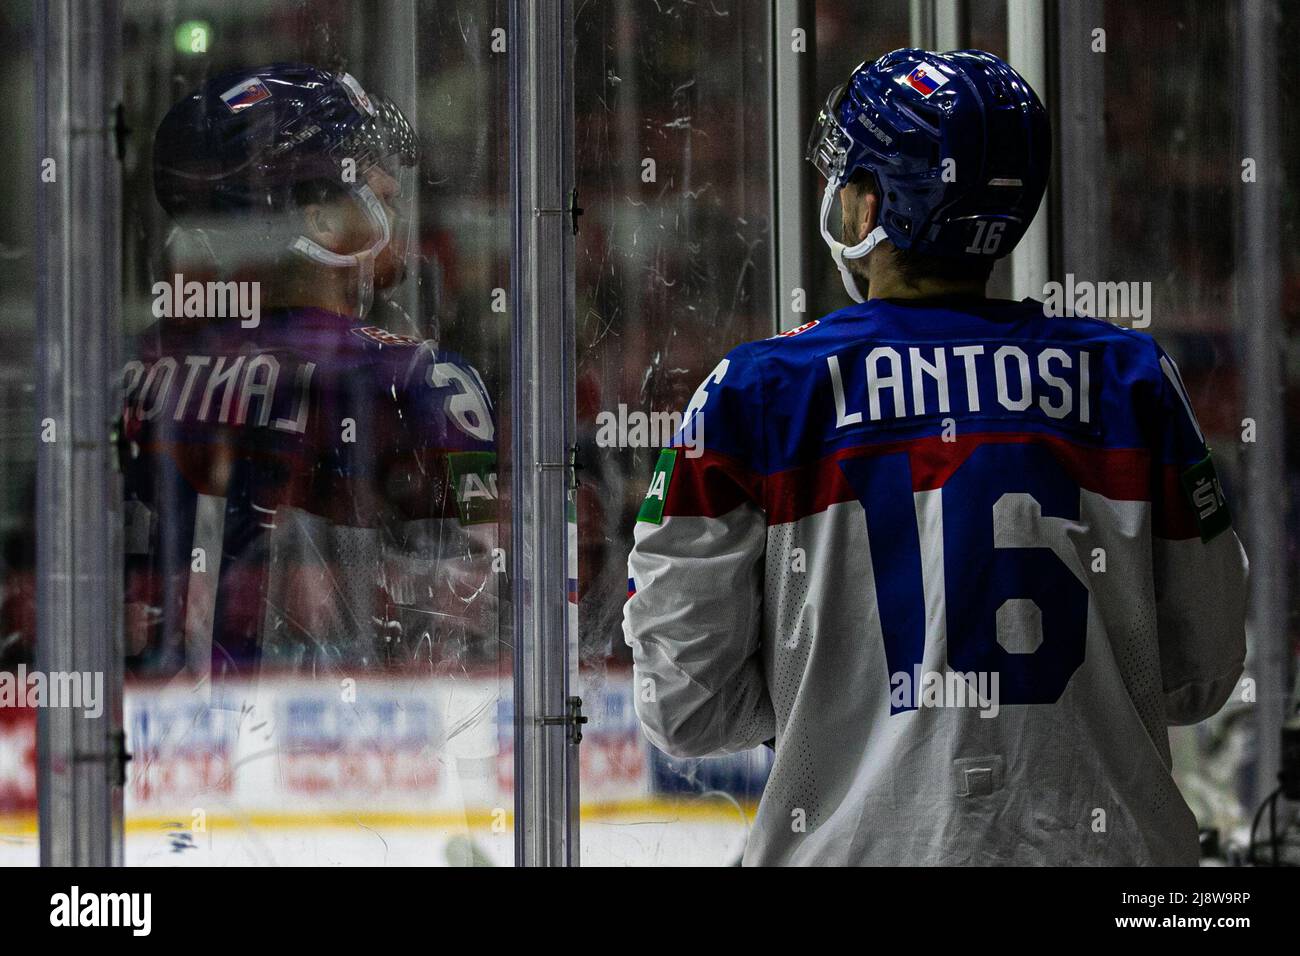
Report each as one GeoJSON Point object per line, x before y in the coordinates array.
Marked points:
{"type": "Point", "coordinates": [925, 79]}
{"type": "Point", "coordinates": [243, 95]}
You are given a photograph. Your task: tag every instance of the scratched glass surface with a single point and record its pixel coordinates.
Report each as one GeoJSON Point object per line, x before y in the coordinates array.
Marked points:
{"type": "Point", "coordinates": [318, 668]}
{"type": "Point", "coordinates": [669, 278]}
{"type": "Point", "coordinates": [317, 639]}
{"type": "Point", "coordinates": [673, 263]}
{"type": "Point", "coordinates": [1172, 206]}
{"type": "Point", "coordinates": [18, 843]}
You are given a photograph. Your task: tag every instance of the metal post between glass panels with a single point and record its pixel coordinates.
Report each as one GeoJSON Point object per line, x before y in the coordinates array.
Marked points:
{"type": "Point", "coordinates": [1080, 198]}
{"type": "Point", "coordinates": [543, 555]}
{"type": "Point", "coordinates": [792, 195]}
{"type": "Point", "coordinates": [951, 25]}
{"type": "Point", "coordinates": [1027, 52]}
{"type": "Point", "coordinates": [939, 24]}
{"type": "Point", "coordinates": [1259, 310]}
{"type": "Point", "coordinates": [78, 497]}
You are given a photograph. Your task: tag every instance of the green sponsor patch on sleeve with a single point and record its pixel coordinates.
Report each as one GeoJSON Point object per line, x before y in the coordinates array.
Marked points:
{"type": "Point", "coordinates": [652, 509]}
{"type": "Point", "coordinates": [473, 477]}
{"type": "Point", "coordinates": [1205, 496]}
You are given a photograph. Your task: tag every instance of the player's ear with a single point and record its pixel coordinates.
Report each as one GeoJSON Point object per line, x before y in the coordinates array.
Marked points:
{"type": "Point", "coordinates": [324, 225]}
{"type": "Point", "coordinates": [869, 213]}
{"type": "Point", "coordinates": [859, 209]}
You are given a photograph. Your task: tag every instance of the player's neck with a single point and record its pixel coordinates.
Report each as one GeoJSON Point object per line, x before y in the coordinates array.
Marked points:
{"type": "Point", "coordinates": [889, 284]}
{"type": "Point", "coordinates": [315, 289]}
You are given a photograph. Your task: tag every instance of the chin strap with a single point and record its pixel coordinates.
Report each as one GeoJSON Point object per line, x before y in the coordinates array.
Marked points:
{"type": "Point", "coordinates": [840, 252]}
{"type": "Point", "coordinates": [363, 261]}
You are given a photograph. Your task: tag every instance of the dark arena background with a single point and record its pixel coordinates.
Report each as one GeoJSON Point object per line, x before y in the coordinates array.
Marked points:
{"type": "Point", "coordinates": [344, 341]}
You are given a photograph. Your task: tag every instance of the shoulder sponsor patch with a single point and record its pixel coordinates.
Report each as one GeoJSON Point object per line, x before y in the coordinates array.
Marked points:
{"type": "Point", "coordinates": [652, 509]}
{"type": "Point", "coordinates": [384, 337]}
{"type": "Point", "coordinates": [1205, 496]}
{"type": "Point", "coordinates": [473, 477]}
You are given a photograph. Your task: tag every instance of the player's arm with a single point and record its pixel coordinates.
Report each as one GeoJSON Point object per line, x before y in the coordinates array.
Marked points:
{"type": "Point", "coordinates": [442, 483]}
{"type": "Point", "coordinates": [696, 578]}
{"type": "Point", "coordinates": [1200, 566]}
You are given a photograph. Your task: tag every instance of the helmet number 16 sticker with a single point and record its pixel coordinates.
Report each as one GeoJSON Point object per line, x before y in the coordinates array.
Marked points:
{"type": "Point", "coordinates": [988, 238]}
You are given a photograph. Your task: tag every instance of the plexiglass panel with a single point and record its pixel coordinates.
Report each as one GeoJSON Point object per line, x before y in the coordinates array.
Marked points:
{"type": "Point", "coordinates": [674, 269]}
{"type": "Point", "coordinates": [313, 423]}
{"type": "Point", "coordinates": [1180, 168]}
{"type": "Point", "coordinates": [317, 247]}
{"type": "Point", "coordinates": [670, 277]}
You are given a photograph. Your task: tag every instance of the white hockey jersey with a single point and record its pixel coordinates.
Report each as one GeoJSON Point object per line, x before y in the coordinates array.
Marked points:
{"type": "Point", "coordinates": [965, 563]}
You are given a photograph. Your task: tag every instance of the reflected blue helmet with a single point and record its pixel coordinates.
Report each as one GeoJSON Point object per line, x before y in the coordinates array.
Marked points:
{"type": "Point", "coordinates": [245, 139]}
{"type": "Point", "coordinates": [232, 158]}
{"type": "Point", "coordinates": [958, 144]}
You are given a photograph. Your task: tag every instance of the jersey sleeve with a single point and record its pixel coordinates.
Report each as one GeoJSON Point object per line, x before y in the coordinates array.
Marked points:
{"type": "Point", "coordinates": [1199, 564]}
{"type": "Point", "coordinates": [439, 460]}
{"type": "Point", "coordinates": [441, 484]}
{"type": "Point", "coordinates": [696, 576]}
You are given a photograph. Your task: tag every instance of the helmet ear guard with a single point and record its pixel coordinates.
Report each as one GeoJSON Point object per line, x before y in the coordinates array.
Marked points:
{"type": "Point", "coordinates": [839, 251]}
{"type": "Point", "coordinates": [828, 149]}
{"type": "Point", "coordinates": [386, 140]}
{"type": "Point", "coordinates": [363, 261]}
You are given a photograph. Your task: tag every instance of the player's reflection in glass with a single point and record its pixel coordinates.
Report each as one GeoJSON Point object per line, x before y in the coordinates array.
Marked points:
{"type": "Point", "coordinates": [309, 488]}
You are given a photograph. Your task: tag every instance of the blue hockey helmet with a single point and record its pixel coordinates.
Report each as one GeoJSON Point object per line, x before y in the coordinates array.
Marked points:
{"type": "Point", "coordinates": [232, 158]}
{"type": "Point", "coordinates": [958, 145]}
{"type": "Point", "coordinates": [245, 139]}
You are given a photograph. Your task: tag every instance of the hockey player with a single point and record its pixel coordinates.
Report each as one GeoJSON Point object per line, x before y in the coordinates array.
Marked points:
{"type": "Point", "coordinates": [307, 490]}
{"type": "Point", "coordinates": [965, 562]}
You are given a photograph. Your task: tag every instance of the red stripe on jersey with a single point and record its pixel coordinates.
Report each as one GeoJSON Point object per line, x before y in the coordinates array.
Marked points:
{"type": "Point", "coordinates": [1174, 519]}
{"type": "Point", "coordinates": [710, 485]}
{"type": "Point", "coordinates": [713, 484]}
